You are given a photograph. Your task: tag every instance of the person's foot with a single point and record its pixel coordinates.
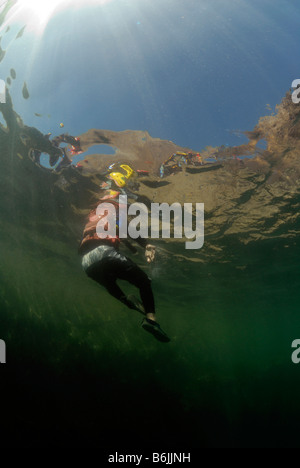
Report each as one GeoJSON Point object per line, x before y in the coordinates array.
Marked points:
{"type": "Point", "coordinates": [154, 328]}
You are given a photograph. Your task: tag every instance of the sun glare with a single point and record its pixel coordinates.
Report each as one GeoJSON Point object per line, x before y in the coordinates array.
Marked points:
{"type": "Point", "coordinates": [37, 13]}
{"type": "Point", "coordinates": [43, 9]}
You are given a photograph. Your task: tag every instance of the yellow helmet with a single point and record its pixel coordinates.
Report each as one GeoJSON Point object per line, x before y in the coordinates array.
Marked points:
{"type": "Point", "coordinates": [129, 171]}
{"type": "Point", "coordinates": [118, 178]}
{"type": "Point", "coordinates": [121, 179]}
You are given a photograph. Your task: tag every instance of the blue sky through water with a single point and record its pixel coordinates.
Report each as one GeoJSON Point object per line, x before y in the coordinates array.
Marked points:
{"type": "Point", "coordinates": [191, 72]}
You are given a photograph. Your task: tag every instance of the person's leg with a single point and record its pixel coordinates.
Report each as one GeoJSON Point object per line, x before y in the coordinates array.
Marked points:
{"type": "Point", "coordinates": [129, 271]}
{"type": "Point", "coordinates": [108, 270]}
{"type": "Point", "coordinates": [114, 290]}
{"type": "Point", "coordinates": [105, 273]}
{"type": "Point", "coordinates": [132, 273]}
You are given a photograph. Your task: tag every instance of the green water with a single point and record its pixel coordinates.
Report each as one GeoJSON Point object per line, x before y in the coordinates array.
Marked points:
{"type": "Point", "coordinates": [80, 369]}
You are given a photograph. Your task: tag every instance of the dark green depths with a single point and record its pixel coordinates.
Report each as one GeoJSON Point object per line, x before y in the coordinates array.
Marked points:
{"type": "Point", "coordinates": [77, 372]}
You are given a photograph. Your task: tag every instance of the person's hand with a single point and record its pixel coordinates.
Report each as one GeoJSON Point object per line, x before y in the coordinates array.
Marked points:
{"type": "Point", "coordinates": [150, 253]}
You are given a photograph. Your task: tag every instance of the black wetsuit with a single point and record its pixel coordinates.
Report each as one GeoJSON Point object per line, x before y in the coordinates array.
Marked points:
{"type": "Point", "coordinates": [113, 266]}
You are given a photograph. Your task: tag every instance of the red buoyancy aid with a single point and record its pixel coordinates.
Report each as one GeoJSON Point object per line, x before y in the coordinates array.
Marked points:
{"type": "Point", "coordinates": [90, 237]}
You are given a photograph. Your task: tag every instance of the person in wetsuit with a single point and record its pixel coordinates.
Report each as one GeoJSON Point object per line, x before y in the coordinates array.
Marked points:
{"type": "Point", "coordinates": [102, 262]}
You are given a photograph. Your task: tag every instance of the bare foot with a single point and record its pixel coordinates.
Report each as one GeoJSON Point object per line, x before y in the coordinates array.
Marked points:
{"type": "Point", "coordinates": [151, 317]}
